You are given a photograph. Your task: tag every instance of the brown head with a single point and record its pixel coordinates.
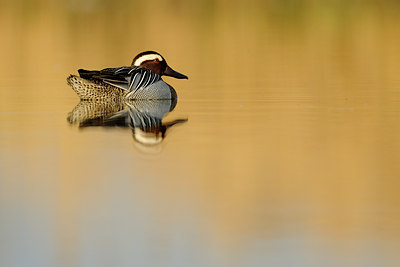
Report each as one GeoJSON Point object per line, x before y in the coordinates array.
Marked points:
{"type": "Point", "coordinates": [155, 62]}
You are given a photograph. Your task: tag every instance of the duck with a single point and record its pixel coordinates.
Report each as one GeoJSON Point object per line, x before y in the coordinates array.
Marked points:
{"type": "Point", "coordinates": [140, 81]}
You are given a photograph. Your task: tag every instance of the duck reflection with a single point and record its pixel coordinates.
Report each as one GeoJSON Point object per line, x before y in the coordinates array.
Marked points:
{"type": "Point", "coordinates": [144, 117]}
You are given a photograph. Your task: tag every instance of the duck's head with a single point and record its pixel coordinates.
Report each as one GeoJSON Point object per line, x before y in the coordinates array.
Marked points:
{"type": "Point", "coordinates": [155, 62]}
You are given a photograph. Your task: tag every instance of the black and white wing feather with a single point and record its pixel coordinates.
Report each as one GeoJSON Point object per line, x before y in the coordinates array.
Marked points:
{"type": "Point", "coordinates": [127, 78]}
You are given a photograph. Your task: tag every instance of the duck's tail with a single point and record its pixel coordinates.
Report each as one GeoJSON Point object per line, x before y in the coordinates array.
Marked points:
{"type": "Point", "coordinates": [95, 90]}
{"type": "Point", "coordinates": [88, 74]}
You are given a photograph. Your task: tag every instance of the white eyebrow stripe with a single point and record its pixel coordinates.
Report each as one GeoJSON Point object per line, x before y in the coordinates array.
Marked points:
{"type": "Point", "coordinates": [144, 58]}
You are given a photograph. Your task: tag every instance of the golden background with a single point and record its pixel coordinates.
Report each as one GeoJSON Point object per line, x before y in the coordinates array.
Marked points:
{"type": "Point", "coordinates": [290, 156]}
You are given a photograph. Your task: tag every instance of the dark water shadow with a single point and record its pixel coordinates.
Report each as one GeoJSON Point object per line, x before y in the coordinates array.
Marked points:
{"type": "Point", "coordinates": [144, 117]}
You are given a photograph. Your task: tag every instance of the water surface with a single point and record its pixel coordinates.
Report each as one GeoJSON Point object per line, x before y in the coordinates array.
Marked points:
{"type": "Point", "coordinates": [289, 155]}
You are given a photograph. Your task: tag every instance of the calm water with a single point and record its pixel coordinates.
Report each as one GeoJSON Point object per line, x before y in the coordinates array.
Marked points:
{"type": "Point", "coordinates": [285, 150]}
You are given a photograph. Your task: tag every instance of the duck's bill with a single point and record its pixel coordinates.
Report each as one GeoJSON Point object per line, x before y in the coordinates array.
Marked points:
{"type": "Point", "coordinates": [170, 72]}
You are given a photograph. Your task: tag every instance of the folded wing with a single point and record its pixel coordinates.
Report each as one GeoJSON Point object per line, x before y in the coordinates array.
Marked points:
{"type": "Point", "coordinates": [127, 78]}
